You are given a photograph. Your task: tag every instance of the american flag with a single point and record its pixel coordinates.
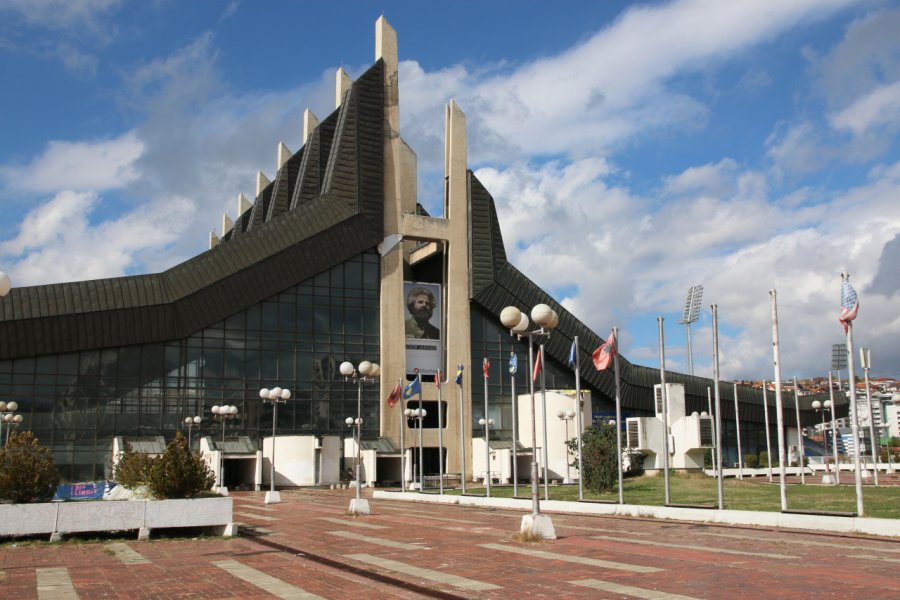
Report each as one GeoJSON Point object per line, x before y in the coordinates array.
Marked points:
{"type": "Point", "coordinates": [849, 304]}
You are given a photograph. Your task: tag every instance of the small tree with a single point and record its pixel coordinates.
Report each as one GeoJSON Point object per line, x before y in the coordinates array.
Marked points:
{"type": "Point", "coordinates": [27, 472]}
{"type": "Point", "coordinates": [179, 473]}
{"type": "Point", "coordinates": [133, 468]}
{"type": "Point", "coordinates": [598, 456]}
{"type": "Point", "coordinates": [764, 459]}
{"type": "Point", "coordinates": [751, 461]}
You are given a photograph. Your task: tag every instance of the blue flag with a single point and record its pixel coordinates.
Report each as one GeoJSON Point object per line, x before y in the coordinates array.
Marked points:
{"type": "Point", "coordinates": [513, 363]}
{"type": "Point", "coordinates": [459, 370]}
{"type": "Point", "coordinates": [572, 355]}
{"type": "Point", "coordinates": [412, 388]}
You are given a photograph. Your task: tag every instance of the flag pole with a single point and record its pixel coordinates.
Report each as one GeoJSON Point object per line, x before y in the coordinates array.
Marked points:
{"type": "Point", "coordinates": [854, 424]}
{"type": "Point", "coordinates": [800, 448]}
{"type": "Point", "coordinates": [778, 400]}
{"type": "Point", "coordinates": [402, 443]}
{"type": "Point", "coordinates": [715, 332]}
{"type": "Point", "coordinates": [766, 417]}
{"type": "Point", "coordinates": [615, 331]}
{"type": "Point", "coordinates": [486, 364]}
{"type": "Point", "coordinates": [665, 402]}
{"type": "Point", "coordinates": [421, 447]}
{"type": "Point", "coordinates": [515, 427]}
{"type": "Point", "coordinates": [462, 429]}
{"type": "Point", "coordinates": [440, 408]}
{"type": "Point", "coordinates": [544, 417]}
{"type": "Point", "coordinates": [578, 418]}
{"type": "Point", "coordinates": [865, 357]}
{"type": "Point", "coordinates": [737, 427]}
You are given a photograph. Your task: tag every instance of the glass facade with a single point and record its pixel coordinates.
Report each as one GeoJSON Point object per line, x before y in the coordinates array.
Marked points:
{"type": "Point", "coordinates": [76, 403]}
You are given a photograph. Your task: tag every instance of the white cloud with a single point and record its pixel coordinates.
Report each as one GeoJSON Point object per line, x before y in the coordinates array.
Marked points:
{"type": "Point", "coordinates": [73, 15]}
{"type": "Point", "coordinates": [80, 166]}
{"type": "Point", "coordinates": [880, 108]}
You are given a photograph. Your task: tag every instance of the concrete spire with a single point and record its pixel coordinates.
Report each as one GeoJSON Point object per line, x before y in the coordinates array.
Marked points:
{"type": "Point", "coordinates": [283, 155]}
{"type": "Point", "coordinates": [261, 182]}
{"type": "Point", "coordinates": [243, 205]}
{"type": "Point", "coordinates": [213, 239]}
{"type": "Point", "coordinates": [310, 122]}
{"type": "Point", "coordinates": [227, 224]}
{"type": "Point", "coordinates": [341, 85]}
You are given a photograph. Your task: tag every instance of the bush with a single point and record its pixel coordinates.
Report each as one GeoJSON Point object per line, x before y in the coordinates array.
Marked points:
{"type": "Point", "coordinates": [179, 473]}
{"type": "Point", "coordinates": [751, 461]}
{"type": "Point", "coordinates": [133, 468]}
{"type": "Point", "coordinates": [598, 447]}
{"type": "Point", "coordinates": [764, 459]}
{"type": "Point", "coordinates": [27, 472]}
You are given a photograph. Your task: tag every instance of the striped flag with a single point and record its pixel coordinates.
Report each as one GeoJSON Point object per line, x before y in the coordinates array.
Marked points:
{"type": "Point", "coordinates": [437, 379]}
{"type": "Point", "coordinates": [572, 355]}
{"type": "Point", "coordinates": [486, 368]}
{"type": "Point", "coordinates": [513, 363]}
{"type": "Point", "coordinates": [604, 354]}
{"type": "Point", "coordinates": [459, 371]}
{"type": "Point", "coordinates": [849, 304]}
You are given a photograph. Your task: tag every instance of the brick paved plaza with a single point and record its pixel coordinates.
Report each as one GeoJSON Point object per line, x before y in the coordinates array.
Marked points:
{"type": "Point", "coordinates": [308, 547]}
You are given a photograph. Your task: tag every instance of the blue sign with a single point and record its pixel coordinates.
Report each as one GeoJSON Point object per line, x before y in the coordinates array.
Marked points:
{"type": "Point", "coordinates": [83, 491]}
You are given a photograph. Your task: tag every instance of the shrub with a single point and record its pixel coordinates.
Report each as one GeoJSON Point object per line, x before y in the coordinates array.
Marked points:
{"type": "Point", "coordinates": [133, 468]}
{"type": "Point", "coordinates": [27, 472]}
{"type": "Point", "coordinates": [179, 473]}
{"type": "Point", "coordinates": [751, 461]}
{"type": "Point", "coordinates": [764, 459]}
{"type": "Point", "coordinates": [598, 447]}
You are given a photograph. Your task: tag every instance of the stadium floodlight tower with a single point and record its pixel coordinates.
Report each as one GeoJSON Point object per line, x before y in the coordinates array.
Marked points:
{"type": "Point", "coordinates": [690, 315]}
{"type": "Point", "coordinates": [839, 361]}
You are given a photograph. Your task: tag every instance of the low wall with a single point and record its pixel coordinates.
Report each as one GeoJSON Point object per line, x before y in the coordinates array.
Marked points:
{"type": "Point", "coordinates": [58, 518]}
{"type": "Point", "coordinates": [866, 525]}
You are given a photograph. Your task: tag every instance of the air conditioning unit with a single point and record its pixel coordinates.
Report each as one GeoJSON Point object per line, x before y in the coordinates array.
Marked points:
{"type": "Point", "coordinates": [635, 437]}
{"type": "Point", "coordinates": [657, 391]}
{"type": "Point", "coordinates": [707, 437]}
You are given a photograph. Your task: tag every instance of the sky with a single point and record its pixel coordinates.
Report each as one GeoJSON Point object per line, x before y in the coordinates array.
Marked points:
{"type": "Point", "coordinates": [633, 149]}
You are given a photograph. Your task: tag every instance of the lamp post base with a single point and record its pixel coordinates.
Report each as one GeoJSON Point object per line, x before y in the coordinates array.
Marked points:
{"type": "Point", "coordinates": [539, 526]}
{"type": "Point", "coordinates": [222, 490]}
{"type": "Point", "coordinates": [828, 479]}
{"type": "Point", "coordinates": [273, 497]}
{"type": "Point", "coordinates": [359, 506]}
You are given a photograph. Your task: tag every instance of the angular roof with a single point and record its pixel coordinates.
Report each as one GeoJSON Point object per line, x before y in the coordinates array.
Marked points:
{"type": "Point", "coordinates": [328, 200]}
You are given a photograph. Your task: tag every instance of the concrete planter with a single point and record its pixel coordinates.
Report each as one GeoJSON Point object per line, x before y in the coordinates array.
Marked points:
{"type": "Point", "coordinates": [56, 519]}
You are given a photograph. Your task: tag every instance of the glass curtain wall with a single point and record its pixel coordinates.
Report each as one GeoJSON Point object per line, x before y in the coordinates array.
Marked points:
{"type": "Point", "coordinates": [76, 403]}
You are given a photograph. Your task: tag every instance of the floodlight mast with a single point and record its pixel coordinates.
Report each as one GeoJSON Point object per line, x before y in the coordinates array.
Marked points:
{"type": "Point", "coordinates": [690, 315]}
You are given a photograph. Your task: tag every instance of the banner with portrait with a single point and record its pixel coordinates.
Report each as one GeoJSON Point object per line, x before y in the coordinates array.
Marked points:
{"type": "Point", "coordinates": [424, 346]}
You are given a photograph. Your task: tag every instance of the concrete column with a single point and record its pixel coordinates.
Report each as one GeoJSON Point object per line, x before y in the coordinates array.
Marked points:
{"type": "Point", "coordinates": [310, 122]}
{"type": "Point", "coordinates": [283, 155]}
{"type": "Point", "coordinates": [342, 84]}
{"type": "Point", "coordinates": [261, 182]}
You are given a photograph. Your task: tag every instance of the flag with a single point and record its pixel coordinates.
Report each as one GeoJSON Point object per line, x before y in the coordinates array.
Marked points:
{"type": "Point", "coordinates": [537, 368]}
{"type": "Point", "coordinates": [394, 396]}
{"type": "Point", "coordinates": [459, 370]}
{"type": "Point", "coordinates": [513, 363]}
{"type": "Point", "coordinates": [572, 355]}
{"type": "Point", "coordinates": [437, 379]}
{"type": "Point", "coordinates": [412, 388]}
{"type": "Point", "coordinates": [603, 355]}
{"type": "Point", "coordinates": [849, 304]}
{"type": "Point", "coordinates": [486, 368]}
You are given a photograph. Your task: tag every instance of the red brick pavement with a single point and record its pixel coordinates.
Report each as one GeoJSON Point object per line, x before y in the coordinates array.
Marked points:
{"type": "Point", "coordinates": [451, 539]}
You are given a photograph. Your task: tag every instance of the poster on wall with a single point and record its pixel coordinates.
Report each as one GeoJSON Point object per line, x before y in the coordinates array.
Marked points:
{"type": "Point", "coordinates": [423, 327]}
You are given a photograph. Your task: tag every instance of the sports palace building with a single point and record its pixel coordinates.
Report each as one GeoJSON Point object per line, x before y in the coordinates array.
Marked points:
{"type": "Point", "coordinates": [326, 265]}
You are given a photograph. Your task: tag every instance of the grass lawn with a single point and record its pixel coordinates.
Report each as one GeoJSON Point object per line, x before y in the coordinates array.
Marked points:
{"type": "Point", "coordinates": [749, 494]}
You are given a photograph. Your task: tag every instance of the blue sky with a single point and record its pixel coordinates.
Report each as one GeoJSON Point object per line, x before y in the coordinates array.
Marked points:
{"type": "Point", "coordinates": [633, 149]}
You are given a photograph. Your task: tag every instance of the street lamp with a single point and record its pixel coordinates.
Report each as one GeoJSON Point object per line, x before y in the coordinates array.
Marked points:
{"type": "Point", "coordinates": [535, 524]}
{"type": "Point", "coordinates": [8, 416]}
{"type": "Point", "coordinates": [223, 413]}
{"type": "Point", "coordinates": [276, 396]}
{"type": "Point", "coordinates": [566, 416]}
{"type": "Point", "coordinates": [5, 284]}
{"type": "Point", "coordinates": [487, 424]}
{"type": "Point", "coordinates": [827, 479]}
{"type": "Point", "coordinates": [419, 415]}
{"type": "Point", "coordinates": [189, 422]}
{"type": "Point", "coordinates": [366, 373]}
